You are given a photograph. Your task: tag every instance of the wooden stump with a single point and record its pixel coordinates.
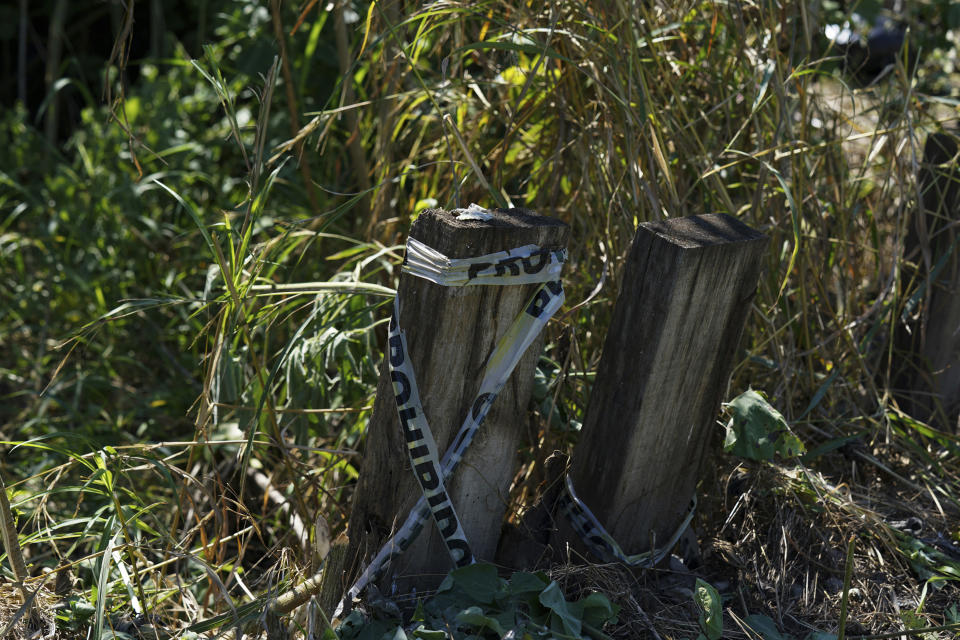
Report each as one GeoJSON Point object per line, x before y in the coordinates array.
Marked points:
{"type": "Point", "coordinates": [687, 289]}
{"type": "Point", "coordinates": [929, 387]}
{"type": "Point", "coordinates": [450, 333]}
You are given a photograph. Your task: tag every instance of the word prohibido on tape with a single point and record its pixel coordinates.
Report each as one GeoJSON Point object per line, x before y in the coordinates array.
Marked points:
{"type": "Point", "coordinates": [524, 265]}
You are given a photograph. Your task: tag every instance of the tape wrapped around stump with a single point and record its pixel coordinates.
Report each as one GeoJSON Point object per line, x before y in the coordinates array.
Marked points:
{"type": "Point", "coordinates": [687, 288]}
{"type": "Point", "coordinates": [450, 332]}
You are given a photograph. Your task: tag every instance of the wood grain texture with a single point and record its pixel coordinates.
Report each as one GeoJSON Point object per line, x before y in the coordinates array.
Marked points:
{"type": "Point", "coordinates": [928, 384]}
{"type": "Point", "coordinates": [450, 333]}
{"type": "Point", "coordinates": [687, 289]}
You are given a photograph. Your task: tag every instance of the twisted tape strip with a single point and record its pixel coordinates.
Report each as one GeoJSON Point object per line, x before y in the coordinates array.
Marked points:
{"type": "Point", "coordinates": [599, 540]}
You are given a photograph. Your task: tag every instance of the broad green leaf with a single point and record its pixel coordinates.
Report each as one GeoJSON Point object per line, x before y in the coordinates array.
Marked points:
{"type": "Point", "coordinates": [527, 585]}
{"type": "Point", "coordinates": [357, 626]}
{"type": "Point", "coordinates": [429, 634]}
{"type": "Point", "coordinates": [475, 617]}
{"type": "Point", "coordinates": [765, 626]}
{"type": "Point", "coordinates": [711, 609]}
{"type": "Point", "coordinates": [928, 562]}
{"type": "Point", "coordinates": [952, 614]}
{"type": "Point", "coordinates": [757, 431]}
{"type": "Point", "coordinates": [82, 609]}
{"type": "Point", "coordinates": [561, 616]}
{"type": "Point", "coordinates": [396, 634]}
{"type": "Point", "coordinates": [597, 610]}
{"type": "Point", "coordinates": [479, 581]}
{"type": "Point", "coordinates": [351, 625]}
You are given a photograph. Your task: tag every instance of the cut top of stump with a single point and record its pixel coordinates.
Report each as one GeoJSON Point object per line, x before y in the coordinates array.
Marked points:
{"type": "Point", "coordinates": [697, 232]}
{"type": "Point", "coordinates": [457, 237]}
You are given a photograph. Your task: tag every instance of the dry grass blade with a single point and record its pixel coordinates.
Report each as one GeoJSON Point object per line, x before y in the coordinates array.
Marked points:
{"type": "Point", "coordinates": [32, 620]}
{"type": "Point", "coordinates": [11, 542]}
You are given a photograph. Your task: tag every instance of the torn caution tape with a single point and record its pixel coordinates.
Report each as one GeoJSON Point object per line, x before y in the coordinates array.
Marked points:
{"type": "Point", "coordinates": [524, 265]}
{"type": "Point", "coordinates": [473, 212]}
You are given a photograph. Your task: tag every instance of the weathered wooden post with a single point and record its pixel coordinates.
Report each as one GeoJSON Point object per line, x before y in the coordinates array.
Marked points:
{"type": "Point", "coordinates": [450, 333]}
{"type": "Point", "coordinates": [686, 293]}
{"type": "Point", "coordinates": [930, 389]}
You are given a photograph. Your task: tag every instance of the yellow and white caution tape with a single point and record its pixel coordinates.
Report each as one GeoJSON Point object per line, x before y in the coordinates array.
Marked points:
{"type": "Point", "coordinates": [528, 264]}
{"type": "Point", "coordinates": [599, 540]}
{"type": "Point", "coordinates": [421, 447]}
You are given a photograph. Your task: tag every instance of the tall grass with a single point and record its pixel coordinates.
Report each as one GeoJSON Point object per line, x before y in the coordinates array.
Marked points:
{"type": "Point", "coordinates": [190, 338]}
{"type": "Point", "coordinates": [613, 114]}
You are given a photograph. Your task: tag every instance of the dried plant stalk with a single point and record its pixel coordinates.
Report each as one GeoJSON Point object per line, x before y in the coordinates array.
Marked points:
{"type": "Point", "coordinates": [10, 540]}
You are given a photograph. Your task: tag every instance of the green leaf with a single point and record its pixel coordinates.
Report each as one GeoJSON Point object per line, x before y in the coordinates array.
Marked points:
{"type": "Point", "coordinates": [107, 541]}
{"type": "Point", "coordinates": [952, 614]}
{"type": "Point", "coordinates": [396, 634]}
{"type": "Point", "coordinates": [765, 627]}
{"type": "Point", "coordinates": [912, 620]}
{"type": "Point", "coordinates": [552, 598]}
{"type": "Point", "coordinates": [597, 610]}
{"type": "Point", "coordinates": [768, 68]}
{"type": "Point", "coordinates": [479, 582]}
{"type": "Point", "coordinates": [820, 393]}
{"type": "Point", "coordinates": [828, 446]}
{"type": "Point", "coordinates": [356, 626]}
{"type": "Point", "coordinates": [247, 611]}
{"type": "Point", "coordinates": [429, 634]}
{"type": "Point", "coordinates": [352, 625]}
{"type": "Point", "coordinates": [711, 609]}
{"type": "Point", "coordinates": [527, 586]}
{"type": "Point", "coordinates": [194, 215]}
{"type": "Point", "coordinates": [757, 431]}
{"type": "Point", "coordinates": [81, 609]}
{"type": "Point", "coordinates": [927, 562]}
{"type": "Point", "coordinates": [475, 617]}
